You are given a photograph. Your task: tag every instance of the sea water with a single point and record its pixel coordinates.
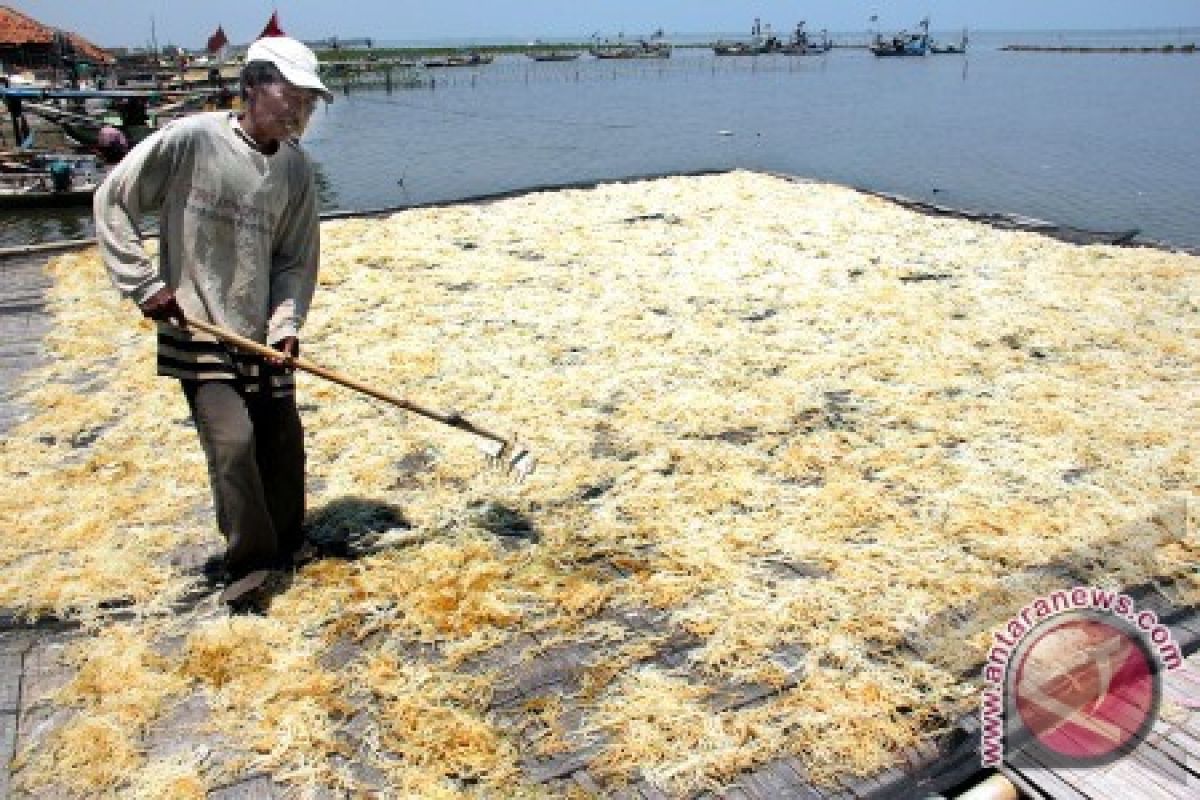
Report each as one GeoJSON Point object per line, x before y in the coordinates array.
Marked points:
{"type": "Point", "coordinates": [1100, 141]}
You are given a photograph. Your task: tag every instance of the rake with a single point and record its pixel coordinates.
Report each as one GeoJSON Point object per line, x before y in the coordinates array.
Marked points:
{"type": "Point", "coordinates": [505, 452]}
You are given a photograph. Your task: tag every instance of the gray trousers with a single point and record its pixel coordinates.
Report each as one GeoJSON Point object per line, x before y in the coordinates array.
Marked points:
{"type": "Point", "coordinates": [254, 444]}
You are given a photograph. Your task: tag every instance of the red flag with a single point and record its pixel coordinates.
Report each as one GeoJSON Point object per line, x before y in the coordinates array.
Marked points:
{"type": "Point", "coordinates": [217, 40]}
{"type": "Point", "coordinates": [272, 28]}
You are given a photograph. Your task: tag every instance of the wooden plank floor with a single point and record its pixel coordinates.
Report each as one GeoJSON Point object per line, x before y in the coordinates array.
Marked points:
{"type": "Point", "coordinates": [23, 323]}
{"type": "Point", "coordinates": [1166, 766]}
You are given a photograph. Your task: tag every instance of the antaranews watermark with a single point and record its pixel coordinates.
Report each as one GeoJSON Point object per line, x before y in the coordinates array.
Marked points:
{"type": "Point", "coordinates": [1075, 676]}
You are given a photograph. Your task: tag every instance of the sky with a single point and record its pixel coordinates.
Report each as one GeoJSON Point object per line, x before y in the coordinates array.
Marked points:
{"type": "Point", "coordinates": [188, 23]}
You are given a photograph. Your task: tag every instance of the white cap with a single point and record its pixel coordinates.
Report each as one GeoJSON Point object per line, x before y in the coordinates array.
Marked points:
{"type": "Point", "coordinates": [293, 59]}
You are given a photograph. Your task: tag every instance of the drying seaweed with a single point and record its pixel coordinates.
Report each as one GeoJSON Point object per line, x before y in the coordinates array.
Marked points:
{"type": "Point", "coordinates": [824, 442]}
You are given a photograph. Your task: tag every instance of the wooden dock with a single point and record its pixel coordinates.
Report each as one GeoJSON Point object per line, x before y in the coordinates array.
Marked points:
{"type": "Point", "coordinates": [1165, 767]}
{"type": "Point", "coordinates": [23, 323]}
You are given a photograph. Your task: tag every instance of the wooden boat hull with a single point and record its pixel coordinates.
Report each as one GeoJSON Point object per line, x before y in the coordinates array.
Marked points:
{"type": "Point", "coordinates": [89, 136]}
{"type": "Point", "coordinates": [68, 199]}
{"type": "Point", "coordinates": [34, 180]}
{"type": "Point", "coordinates": [458, 61]}
{"type": "Point", "coordinates": [803, 51]}
{"type": "Point", "coordinates": [632, 53]}
{"type": "Point", "coordinates": [886, 52]}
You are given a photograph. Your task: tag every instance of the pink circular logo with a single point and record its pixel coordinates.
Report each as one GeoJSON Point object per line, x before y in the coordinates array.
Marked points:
{"type": "Point", "coordinates": [1085, 688]}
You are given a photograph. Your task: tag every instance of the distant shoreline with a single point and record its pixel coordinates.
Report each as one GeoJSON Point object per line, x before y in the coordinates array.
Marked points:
{"type": "Point", "coordinates": [1037, 48]}
{"type": "Point", "coordinates": [383, 53]}
{"type": "Point", "coordinates": [700, 38]}
{"type": "Point", "coordinates": [1175, 39]}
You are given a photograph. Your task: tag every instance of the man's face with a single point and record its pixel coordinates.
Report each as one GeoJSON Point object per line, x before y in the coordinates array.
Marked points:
{"type": "Point", "coordinates": [281, 110]}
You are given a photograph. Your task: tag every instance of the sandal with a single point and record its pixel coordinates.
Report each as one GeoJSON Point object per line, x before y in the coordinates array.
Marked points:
{"type": "Point", "coordinates": [243, 586]}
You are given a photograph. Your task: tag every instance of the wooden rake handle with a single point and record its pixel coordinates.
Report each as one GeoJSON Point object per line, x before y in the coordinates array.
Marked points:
{"type": "Point", "coordinates": [451, 419]}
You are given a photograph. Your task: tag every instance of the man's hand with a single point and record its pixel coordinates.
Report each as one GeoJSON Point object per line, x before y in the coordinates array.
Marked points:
{"type": "Point", "coordinates": [289, 348]}
{"type": "Point", "coordinates": [163, 307]}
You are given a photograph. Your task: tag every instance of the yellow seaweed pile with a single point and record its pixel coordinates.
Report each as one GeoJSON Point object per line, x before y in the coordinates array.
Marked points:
{"type": "Point", "coordinates": [833, 442]}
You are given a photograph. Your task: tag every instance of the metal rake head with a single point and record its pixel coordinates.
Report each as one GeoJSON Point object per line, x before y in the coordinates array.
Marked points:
{"type": "Point", "coordinates": [509, 455]}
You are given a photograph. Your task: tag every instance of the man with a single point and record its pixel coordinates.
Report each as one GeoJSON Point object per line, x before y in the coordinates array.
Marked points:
{"type": "Point", "coordinates": [237, 209]}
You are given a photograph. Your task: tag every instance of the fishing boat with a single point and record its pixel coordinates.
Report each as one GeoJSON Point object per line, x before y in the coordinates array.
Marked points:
{"type": "Point", "coordinates": [758, 44]}
{"type": "Point", "coordinates": [136, 114]}
{"type": "Point", "coordinates": [763, 42]}
{"type": "Point", "coordinates": [802, 45]}
{"type": "Point", "coordinates": [468, 59]}
{"type": "Point", "coordinates": [736, 49]}
{"type": "Point", "coordinates": [904, 43]}
{"type": "Point", "coordinates": [950, 49]}
{"type": "Point", "coordinates": [85, 131]}
{"type": "Point", "coordinates": [47, 180]}
{"type": "Point", "coordinates": [472, 59]}
{"type": "Point", "coordinates": [554, 55]}
{"type": "Point", "coordinates": [641, 49]}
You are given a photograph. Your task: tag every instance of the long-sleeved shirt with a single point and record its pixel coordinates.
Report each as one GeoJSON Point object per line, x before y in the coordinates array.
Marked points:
{"type": "Point", "coordinates": [239, 238]}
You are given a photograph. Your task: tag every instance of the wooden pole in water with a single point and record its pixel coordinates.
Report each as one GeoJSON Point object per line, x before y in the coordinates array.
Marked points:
{"type": "Point", "coordinates": [14, 110]}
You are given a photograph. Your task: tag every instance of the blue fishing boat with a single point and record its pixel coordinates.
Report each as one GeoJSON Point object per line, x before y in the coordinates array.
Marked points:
{"type": "Point", "coordinates": [904, 43]}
